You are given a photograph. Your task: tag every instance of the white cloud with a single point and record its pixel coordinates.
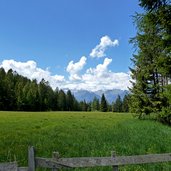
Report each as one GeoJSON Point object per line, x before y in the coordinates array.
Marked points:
{"type": "Point", "coordinates": [102, 78]}
{"type": "Point", "coordinates": [74, 68]}
{"type": "Point", "coordinates": [101, 68]}
{"type": "Point", "coordinates": [30, 70]}
{"type": "Point", "coordinates": [105, 42]}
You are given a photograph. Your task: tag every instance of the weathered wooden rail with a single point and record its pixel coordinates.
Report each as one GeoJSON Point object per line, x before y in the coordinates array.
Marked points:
{"type": "Point", "coordinates": [56, 162]}
{"type": "Point", "coordinates": [12, 166]}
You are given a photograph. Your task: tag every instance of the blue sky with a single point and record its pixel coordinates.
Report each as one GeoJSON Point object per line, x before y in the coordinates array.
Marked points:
{"type": "Point", "coordinates": [47, 35]}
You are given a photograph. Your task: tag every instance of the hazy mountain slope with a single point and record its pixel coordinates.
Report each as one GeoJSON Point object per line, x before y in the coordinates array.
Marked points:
{"type": "Point", "coordinates": [88, 96]}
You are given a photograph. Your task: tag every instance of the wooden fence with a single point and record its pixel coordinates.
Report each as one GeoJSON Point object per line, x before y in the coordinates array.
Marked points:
{"type": "Point", "coordinates": [12, 166]}
{"type": "Point", "coordinates": [55, 163]}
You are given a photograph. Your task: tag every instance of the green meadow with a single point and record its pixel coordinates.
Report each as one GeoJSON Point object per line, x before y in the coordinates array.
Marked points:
{"type": "Point", "coordinates": [82, 134]}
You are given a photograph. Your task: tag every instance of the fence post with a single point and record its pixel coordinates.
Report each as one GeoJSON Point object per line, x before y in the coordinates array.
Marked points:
{"type": "Point", "coordinates": [31, 159]}
{"type": "Point", "coordinates": [55, 155]}
{"type": "Point", "coordinates": [113, 155]}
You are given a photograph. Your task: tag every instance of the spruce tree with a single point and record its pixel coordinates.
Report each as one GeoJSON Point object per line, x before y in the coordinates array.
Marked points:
{"type": "Point", "coordinates": [125, 103]}
{"type": "Point", "coordinates": [69, 101]}
{"type": "Point", "coordinates": [118, 105]}
{"type": "Point", "coordinates": [62, 100]}
{"type": "Point", "coordinates": [152, 61]}
{"type": "Point", "coordinates": [103, 104]}
{"type": "Point", "coordinates": [95, 104]}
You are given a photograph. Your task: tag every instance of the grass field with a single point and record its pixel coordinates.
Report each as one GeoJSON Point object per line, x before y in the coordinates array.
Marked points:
{"type": "Point", "coordinates": [76, 134]}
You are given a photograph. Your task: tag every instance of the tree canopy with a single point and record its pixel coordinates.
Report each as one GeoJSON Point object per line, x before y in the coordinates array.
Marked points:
{"type": "Point", "coordinates": [18, 93]}
{"type": "Point", "coordinates": [152, 60]}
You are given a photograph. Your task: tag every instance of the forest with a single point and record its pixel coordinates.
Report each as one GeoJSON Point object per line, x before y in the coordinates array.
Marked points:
{"type": "Point", "coordinates": [18, 93]}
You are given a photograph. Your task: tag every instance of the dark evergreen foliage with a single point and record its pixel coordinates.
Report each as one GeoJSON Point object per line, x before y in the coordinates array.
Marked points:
{"type": "Point", "coordinates": [125, 103]}
{"type": "Point", "coordinates": [152, 61]}
{"type": "Point", "coordinates": [103, 104]}
{"type": "Point", "coordinates": [117, 107]}
{"type": "Point", "coordinates": [121, 105]}
{"type": "Point", "coordinates": [95, 106]}
{"type": "Point", "coordinates": [18, 93]}
{"type": "Point", "coordinates": [21, 94]}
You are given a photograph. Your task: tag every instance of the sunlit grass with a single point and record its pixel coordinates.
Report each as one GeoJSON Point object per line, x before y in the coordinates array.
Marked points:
{"type": "Point", "coordinates": [81, 134]}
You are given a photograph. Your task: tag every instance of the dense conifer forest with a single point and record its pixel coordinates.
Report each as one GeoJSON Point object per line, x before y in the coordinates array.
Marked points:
{"type": "Point", "coordinates": [18, 93]}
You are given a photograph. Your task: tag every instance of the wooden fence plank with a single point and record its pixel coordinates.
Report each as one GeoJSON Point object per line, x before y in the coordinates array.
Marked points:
{"type": "Point", "coordinates": [8, 166]}
{"type": "Point", "coordinates": [117, 161]}
{"type": "Point", "coordinates": [31, 159]}
{"type": "Point", "coordinates": [22, 169]}
{"type": "Point", "coordinates": [55, 156]}
{"type": "Point", "coordinates": [56, 163]}
{"type": "Point", "coordinates": [113, 155]}
{"type": "Point", "coordinates": [49, 163]}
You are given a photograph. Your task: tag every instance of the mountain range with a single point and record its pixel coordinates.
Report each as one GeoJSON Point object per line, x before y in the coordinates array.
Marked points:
{"type": "Point", "coordinates": [88, 96]}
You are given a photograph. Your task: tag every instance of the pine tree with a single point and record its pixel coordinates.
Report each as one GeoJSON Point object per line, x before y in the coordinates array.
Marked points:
{"type": "Point", "coordinates": [10, 100]}
{"type": "Point", "coordinates": [103, 104]}
{"type": "Point", "coordinates": [152, 63]}
{"type": "Point", "coordinates": [125, 103]}
{"type": "Point", "coordinates": [83, 106]}
{"type": "Point", "coordinates": [118, 105]}
{"type": "Point", "coordinates": [95, 104]}
{"type": "Point", "coordinates": [55, 102]}
{"type": "Point", "coordinates": [2, 89]}
{"type": "Point", "coordinates": [62, 100]}
{"type": "Point", "coordinates": [69, 101]}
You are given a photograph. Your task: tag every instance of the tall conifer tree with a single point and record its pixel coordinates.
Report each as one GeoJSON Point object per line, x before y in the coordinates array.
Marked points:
{"type": "Point", "coordinates": [103, 104]}
{"type": "Point", "coordinates": [152, 62]}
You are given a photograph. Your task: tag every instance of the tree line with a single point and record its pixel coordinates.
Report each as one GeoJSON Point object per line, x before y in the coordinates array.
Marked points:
{"type": "Point", "coordinates": [18, 93]}
{"type": "Point", "coordinates": [151, 92]}
{"type": "Point", "coordinates": [119, 105]}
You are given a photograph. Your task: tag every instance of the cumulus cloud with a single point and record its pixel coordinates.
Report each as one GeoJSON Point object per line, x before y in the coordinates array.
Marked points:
{"type": "Point", "coordinates": [102, 78]}
{"type": "Point", "coordinates": [30, 70]}
{"type": "Point", "coordinates": [105, 42]}
{"type": "Point", "coordinates": [74, 68]}
{"type": "Point", "coordinates": [101, 68]}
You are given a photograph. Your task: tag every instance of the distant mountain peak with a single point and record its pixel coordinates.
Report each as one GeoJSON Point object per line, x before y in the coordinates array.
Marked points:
{"type": "Point", "coordinates": [88, 96]}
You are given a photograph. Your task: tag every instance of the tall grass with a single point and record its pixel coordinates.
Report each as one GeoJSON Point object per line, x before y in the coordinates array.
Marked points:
{"type": "Point", "coordinates": [79, 134]}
